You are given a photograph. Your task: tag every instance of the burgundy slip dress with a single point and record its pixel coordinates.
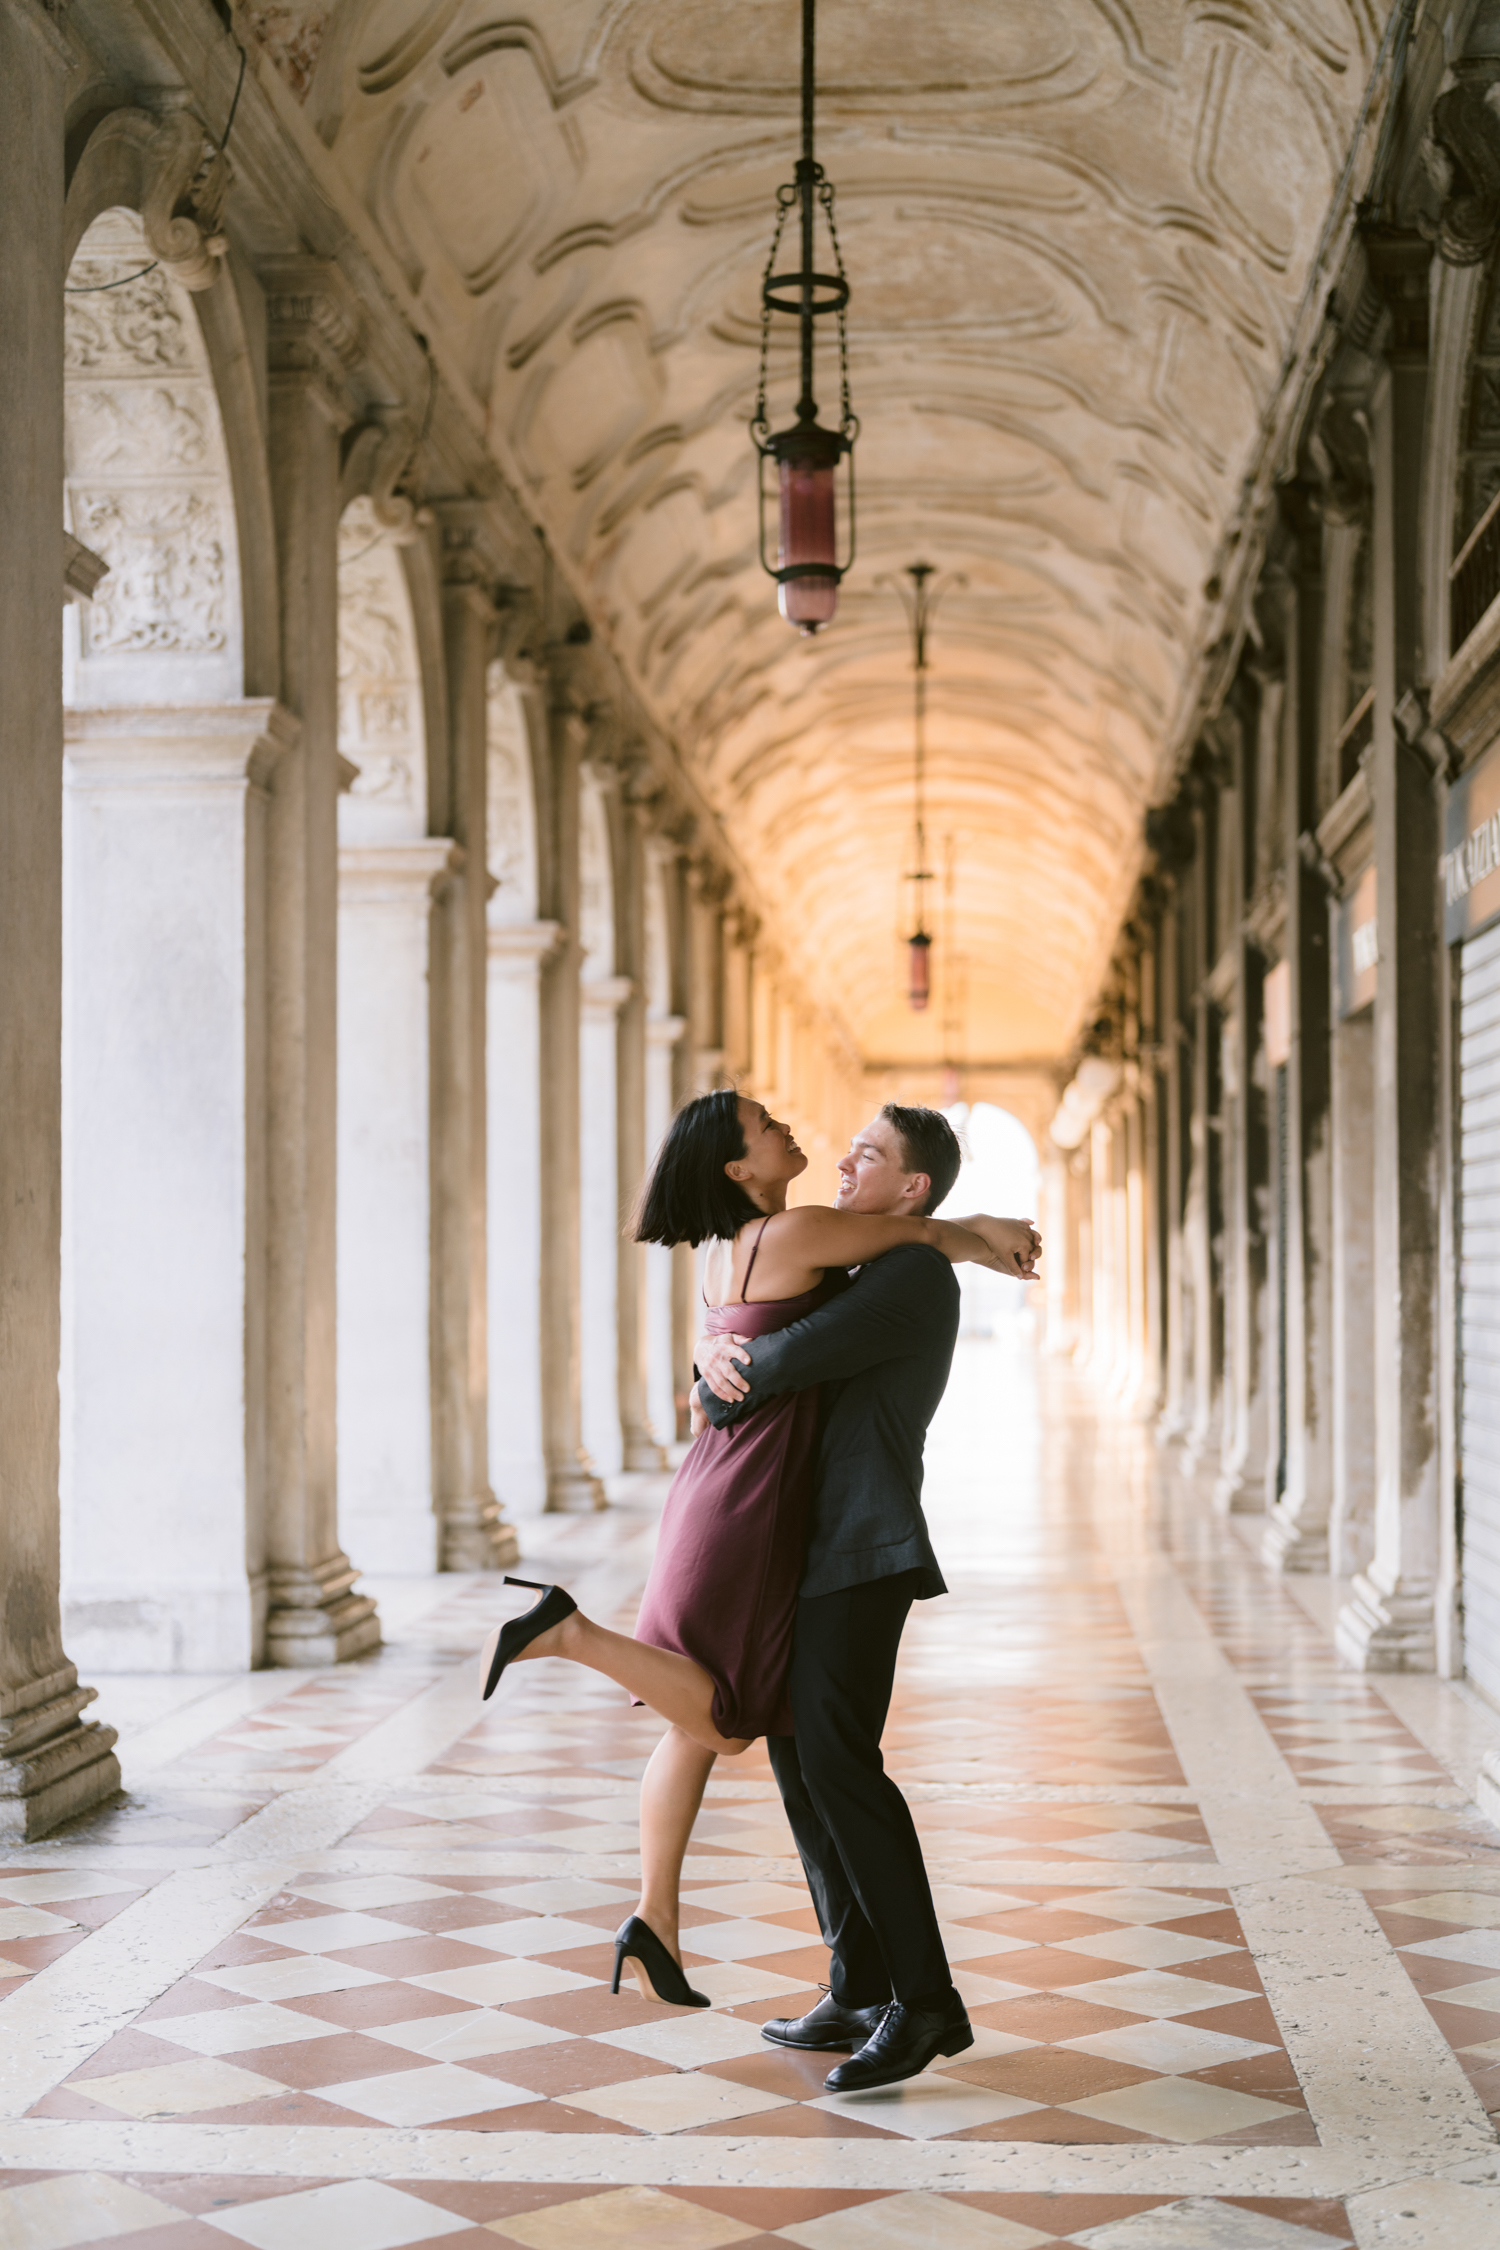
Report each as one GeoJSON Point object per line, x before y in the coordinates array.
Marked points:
{"type": "Point", "coordinates": [729, 1557]}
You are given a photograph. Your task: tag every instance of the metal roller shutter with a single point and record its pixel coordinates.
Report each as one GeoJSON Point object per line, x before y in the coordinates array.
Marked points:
{"type": "Point", "coordinates": [1479, 1303]}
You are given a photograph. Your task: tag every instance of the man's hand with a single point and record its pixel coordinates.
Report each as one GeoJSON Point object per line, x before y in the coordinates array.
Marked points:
{"type": "Point", "coordinates": [715, 1358]}
{"type": "Point", "coordinates": [1015, 1242]}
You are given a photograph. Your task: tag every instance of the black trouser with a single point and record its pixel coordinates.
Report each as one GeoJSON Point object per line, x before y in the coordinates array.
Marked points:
{"type": "Point", "coordinates": [855, 1834]}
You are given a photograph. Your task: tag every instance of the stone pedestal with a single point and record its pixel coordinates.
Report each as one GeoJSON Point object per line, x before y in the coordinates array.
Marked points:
{"type": "Point", "coordinates": [385, 1204]}
{"type": "Point", "coordinates": [52, 1763]}
{"type": "Point", "coordinates": [518, 1463]}
{"type": "Point", "coordinates": [315, 1617]}
{"type": "Point", "coordinates": [163, 1368]}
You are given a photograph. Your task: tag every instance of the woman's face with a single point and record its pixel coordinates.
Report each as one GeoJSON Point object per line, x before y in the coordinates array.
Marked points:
{"type": "Point", "coordinates": [771, 1154]}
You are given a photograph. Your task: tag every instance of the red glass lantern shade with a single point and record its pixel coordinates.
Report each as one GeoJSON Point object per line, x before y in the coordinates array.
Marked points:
{"type": "Point", "coordinates": [807, 540]}
{"type": "Point", "coordinates": [919, 971]}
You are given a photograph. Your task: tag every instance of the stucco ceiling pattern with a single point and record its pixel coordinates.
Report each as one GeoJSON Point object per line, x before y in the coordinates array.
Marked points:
{"type": "Point", "coordinates": [1076, 233]}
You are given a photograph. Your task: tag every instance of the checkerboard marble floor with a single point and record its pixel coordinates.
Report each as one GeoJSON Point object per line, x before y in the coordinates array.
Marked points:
{"type": "Point", "coordinates": [334, 1972]}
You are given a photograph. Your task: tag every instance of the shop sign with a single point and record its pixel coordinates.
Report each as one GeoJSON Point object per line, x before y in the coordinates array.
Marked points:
{"type": "Point", "coordinates": [1356, 952]}
{"type": "Point", "coordinates": [1469, 869]}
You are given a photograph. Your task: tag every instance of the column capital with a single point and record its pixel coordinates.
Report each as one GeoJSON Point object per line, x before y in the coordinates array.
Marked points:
{"type": "Point", "coordinates": [396, 874]}
{"type": "Point", "coordinates": [664, 1031]}
{"type": "Point", "coordinates": [604, 996]}
{"type": "Point", "coordinates": [316, 327]}
{"type": "Point", "coordinates": [176, 744]}
{"type": "Point", "coordinates": [525, 944]}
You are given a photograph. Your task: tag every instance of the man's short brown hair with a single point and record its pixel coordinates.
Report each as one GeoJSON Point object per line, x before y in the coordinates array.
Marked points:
{"type": "Point", "coordinates": [928, 1144]}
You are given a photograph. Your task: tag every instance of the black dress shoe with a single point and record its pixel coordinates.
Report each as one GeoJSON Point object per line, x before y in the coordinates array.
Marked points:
{"type": "Point", "coordinates": [904, 2042]}
{"type": "Point", "coordinates": [828, 2028]}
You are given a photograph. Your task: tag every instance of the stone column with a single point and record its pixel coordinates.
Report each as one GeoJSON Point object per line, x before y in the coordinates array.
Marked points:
{"type": "Point", "coordinates": [1297, 1535]}
{"type": "Point", "coordinates": [663, 1040]}
{"type": "Point", "coordinates": [1203, 1202]}
{"type": "Point", "coordinates": [1388, 1625]}
{"type": "Point", "coordinates": [315, 1615]}
{"type": "Point", "coordinates": [164, 1023]}
{"type": "Point", "coordinates": [52, 1764]}
{"type": "Point", "coordinates": [601, 1000]}
{"type": "Point", "coordinates": [518, 1464]}
{"type": "Point", "coordinates": [642, 1450]}
{"type": "Point", "coordinates": [473, 1534]}
{"type": "Point", "coordinates": [572, 1487]}
{"type": "Point", "coordinates": [706, 891]}
{"type": "Point", "coordinates": [1174, 1073]}
{"type": "Point", "coordinates": [385, 1404]}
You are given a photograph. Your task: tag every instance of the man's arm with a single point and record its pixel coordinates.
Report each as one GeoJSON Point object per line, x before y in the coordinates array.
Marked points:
{"type": "Point", "coordinates": [888, 1314]}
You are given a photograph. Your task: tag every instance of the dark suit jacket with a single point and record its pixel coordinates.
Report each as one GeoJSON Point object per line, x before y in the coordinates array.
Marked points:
{"type": "Point", "coordinates": [882, 1351]}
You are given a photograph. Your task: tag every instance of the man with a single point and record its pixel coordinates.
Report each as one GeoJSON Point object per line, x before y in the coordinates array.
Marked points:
{"type": "Point", "coordinates": [882, 1351]}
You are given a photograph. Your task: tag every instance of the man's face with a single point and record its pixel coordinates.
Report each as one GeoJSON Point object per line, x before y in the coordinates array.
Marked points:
{"type": "Point", "coordinates": [873, 1176]}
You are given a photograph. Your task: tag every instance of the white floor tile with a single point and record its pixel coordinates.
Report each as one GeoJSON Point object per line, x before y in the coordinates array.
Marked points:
{"type": "Point", "coordinates": [358, 1893]}
{"type": "Point", "coordinates": [1142, 1905]}
{"type": "Point", "coordinates": [489, 1984]}
{"type": "Point", "coordinates": [902, 2222]}
{"type": "Point", "coordinates": [350, 2215]}
{"type": "Point", "coordinates": [744, 1941]}
{"type": "Point", "coordinates": [691, 2040]}
{"type": "Point", "coordinates": [1198, 2224]}
{"type": "Point", "coordinates": [560, 1895]}
{"type": "Point", "coordinates": [54, 1890]}
{"type": "Point", "coordinates": [925, 2108]}
{"type": "Point", "coordinates": [543, 1933]}
{"type": "Point", "coordinates": [460, 2038]}
{"type": "Point", "coordinates": [426, 2096]}
{"type": "Point", "coordinates": [1156, 1992]}
{"type": "Point", "coordinates": [178, 2089]}
{"type": "Point", "coordinates": [77, 2207]}
{"type": "Point", "coordinates": [1168, 2047]}
{"type": "Point", "coordinates": [289, 1980]}
{"type": "Point", "coordinates": [1179, 2109]}
{"type": "Point", "coordinates": [233, 2031]}
{"type": "Point", "coordinates": [1145, 1947]}
{"type": "Point", "coordinates": [334, 1933]}
{"type": "Point", "coordinates": [674, 2102]}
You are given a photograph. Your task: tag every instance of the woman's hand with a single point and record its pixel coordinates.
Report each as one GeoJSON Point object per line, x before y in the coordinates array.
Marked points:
{"type": "Point", "coordinates": [697, 1419]}
{"type": "Point", "coordinates": [1015, 1244]}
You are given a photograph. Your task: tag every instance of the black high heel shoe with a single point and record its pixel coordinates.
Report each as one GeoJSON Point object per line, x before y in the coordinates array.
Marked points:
{"type": "Point", "coordinates": [635, 1940]}
{"type": "Point", "coordinates": [521, 1631]}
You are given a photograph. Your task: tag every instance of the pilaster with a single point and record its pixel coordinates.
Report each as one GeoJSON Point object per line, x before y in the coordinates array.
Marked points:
{"type": "Point", "coordinates": [517, 953]}
{"type": "Point", "coordinates": [1389, 1623]}
{"type": "Point", "coordinates": [53, 1764]}
{"type": "Point", "coordinates": [641, 1449]}
{"type": "Point", "coordinates": [315, 1616]}
{"type": "Point", "coordinates": [473, 1533]}
{"type": "Point", "coordinates": [572, 1486]}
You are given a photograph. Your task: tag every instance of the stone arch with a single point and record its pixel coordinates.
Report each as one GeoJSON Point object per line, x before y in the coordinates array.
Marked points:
{"type": "Point", "coordinates": [164, 974]}
{"type": "Point", "coordinates": [391, 873]}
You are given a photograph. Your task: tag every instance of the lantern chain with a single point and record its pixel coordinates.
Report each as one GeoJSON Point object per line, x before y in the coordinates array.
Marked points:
{"type": "Point", "coordinates": [848, 419]}
{"type": "Point", "coordinates": [760, 423]}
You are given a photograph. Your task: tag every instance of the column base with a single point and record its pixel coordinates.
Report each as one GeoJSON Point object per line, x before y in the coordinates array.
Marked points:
{"type": "Point", "coordinates": [574, 1491]}
{"type": "Point", "coordinates": [1487, 1788]}
{"type": "Point", "coordinates": [53, 1765]}
{"type": "Point", "coordinates": [643, 1452]}
{"type": "Point", "coordinates": [1240, 1492]}
{"type": "Point", "coordinates": [474, 1535]}
{"type": "Point", "coordinates": [316, 1618]}
{"type": "Point", "coordinates": [1391, 1629]}
{"type": "Point", "coordinates": [1291, 1545]}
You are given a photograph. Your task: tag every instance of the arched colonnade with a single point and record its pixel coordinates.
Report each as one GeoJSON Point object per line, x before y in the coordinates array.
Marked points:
{"type": "Point", "coordinates": [359, 938]}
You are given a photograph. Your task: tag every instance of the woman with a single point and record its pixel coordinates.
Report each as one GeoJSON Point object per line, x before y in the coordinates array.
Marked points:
{"type": "Point", "coordinates": [713, 1637]}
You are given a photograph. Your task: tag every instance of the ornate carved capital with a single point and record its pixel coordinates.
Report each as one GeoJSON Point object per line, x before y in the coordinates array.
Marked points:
{"type": "Point", "coordinates": [1461, 154]}
{"type": "Point", "coordinates": [377, 456]}
{"type": "Point", "coordinates": [316, 326]}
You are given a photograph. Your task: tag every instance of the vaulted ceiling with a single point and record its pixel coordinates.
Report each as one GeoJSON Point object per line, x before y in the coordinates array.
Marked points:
{"type": "Point", "coordinates": [1076, 232]}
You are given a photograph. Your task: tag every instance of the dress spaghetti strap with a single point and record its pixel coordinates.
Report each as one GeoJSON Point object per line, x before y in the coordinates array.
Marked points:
{"type": "Point", "coordinates": [755, 1253]}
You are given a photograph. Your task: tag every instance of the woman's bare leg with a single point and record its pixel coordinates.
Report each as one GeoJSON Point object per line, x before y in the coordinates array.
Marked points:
{"type": "Point", "coordinates": [671, 1792]}
{"type": "Point", "coordinates": [676, 1688]}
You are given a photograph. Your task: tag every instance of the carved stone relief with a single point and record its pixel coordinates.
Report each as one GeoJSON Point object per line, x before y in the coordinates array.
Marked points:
{"type": "Point", "coordinates": [512, 813]}
{"type": "Point", "coordinates": [380, 695]}
{"type": "Point", "coordinates": [147, 481]}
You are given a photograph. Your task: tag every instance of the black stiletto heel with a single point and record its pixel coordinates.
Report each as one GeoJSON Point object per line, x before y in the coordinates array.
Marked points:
{"type": "Point", "coordinates": [635, 1940]}
{"type": "Point", "coordinates": [520, 1632]}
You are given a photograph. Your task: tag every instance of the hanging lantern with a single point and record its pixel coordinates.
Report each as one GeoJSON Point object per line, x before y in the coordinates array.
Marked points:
{"type": "Point", "coordinates": [919, 970]}
{"type": "Point", "coordinates": [920, 602]}
{"type": "Point", "coordinates": [807, 568]}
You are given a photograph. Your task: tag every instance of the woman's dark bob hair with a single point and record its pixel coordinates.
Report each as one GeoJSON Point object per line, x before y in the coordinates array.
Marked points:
{"type": "Point", "coordinates": [689, 1196]}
